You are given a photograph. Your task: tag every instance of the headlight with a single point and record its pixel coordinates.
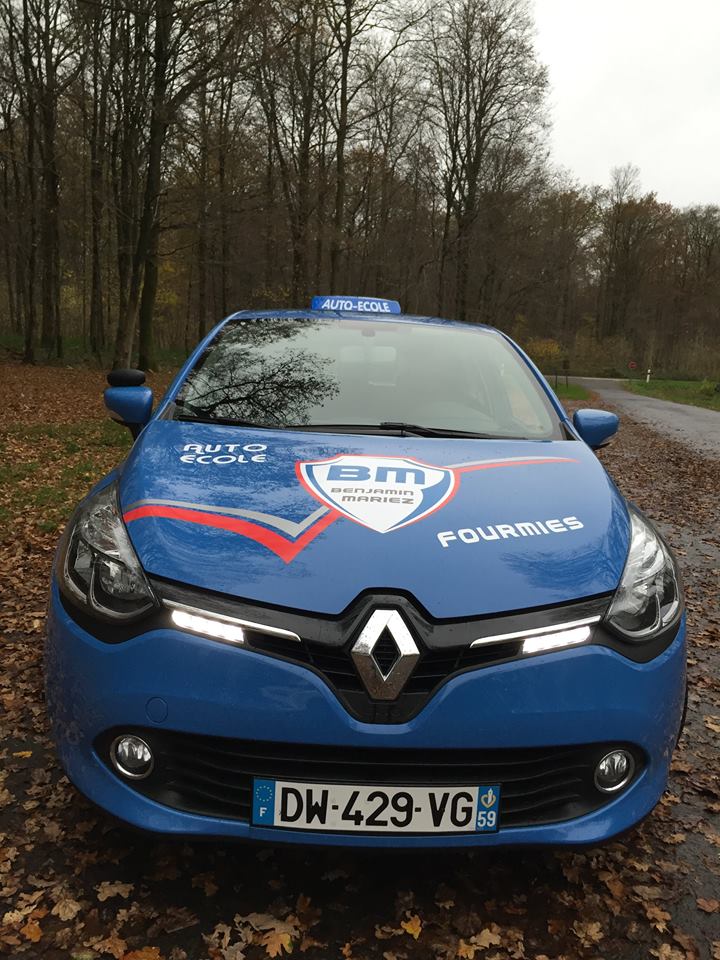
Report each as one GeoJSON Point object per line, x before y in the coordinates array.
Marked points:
{"type": "Point", "coordinates": [648, 598]}
{"type": "Point", "coordinates": [97, 566]}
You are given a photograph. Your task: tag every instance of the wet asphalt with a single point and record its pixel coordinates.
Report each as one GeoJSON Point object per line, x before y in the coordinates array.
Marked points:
{"type": "Point", "coordinates": [695, 427]}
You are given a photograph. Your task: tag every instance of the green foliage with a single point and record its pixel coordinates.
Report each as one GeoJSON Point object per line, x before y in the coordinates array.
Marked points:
{"type": "Point", "coordinates": [592, 357]}
{"type": "Point", "coordinates": [573, 391]}
{"type": "Point", "coordinates": [546, 353]}
{"type": "Point", "coordinates": [698, 393]}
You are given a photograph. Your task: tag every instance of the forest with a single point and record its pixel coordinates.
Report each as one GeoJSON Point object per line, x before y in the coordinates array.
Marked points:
{"type": "Point", "coordinates": [166, 162]}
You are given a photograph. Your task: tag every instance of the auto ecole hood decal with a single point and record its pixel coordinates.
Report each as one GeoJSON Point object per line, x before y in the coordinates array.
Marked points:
{"type": "Point", "coordinates": [309, 521]}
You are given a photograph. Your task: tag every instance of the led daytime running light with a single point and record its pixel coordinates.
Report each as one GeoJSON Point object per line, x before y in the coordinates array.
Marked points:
{"type": "Point", "coordinates": [555, 641]}
{"type": "Point", "coordinates": [218, 629]}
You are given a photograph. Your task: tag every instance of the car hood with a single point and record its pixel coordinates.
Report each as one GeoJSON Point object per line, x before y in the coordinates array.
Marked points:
{"type": "Point", "coordinates": [309, 521]}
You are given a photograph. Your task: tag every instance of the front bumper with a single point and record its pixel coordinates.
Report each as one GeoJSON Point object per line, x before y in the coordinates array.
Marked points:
{"type": "Point", "coordinates": [174, 681]}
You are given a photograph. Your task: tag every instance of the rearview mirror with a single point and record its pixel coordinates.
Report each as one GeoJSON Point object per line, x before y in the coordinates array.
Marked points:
{"type": "Point", "coordinates": [596, 427]}
{"type": "Point", "coordinates": [128, 401]}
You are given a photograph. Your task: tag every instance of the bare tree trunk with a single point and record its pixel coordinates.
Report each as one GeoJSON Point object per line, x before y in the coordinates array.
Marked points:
{"type": "Point", "coordinates": [149, 211]}
{"type": "Point", "coordinates": [98, 145]}
{"type": "Point", "coordinates": [189, 327]}
{"type": "Point", "coordinates": [224, 225]}
{"type": "Point", "coordinates": [50, 240]}
{"type": "Point", "coordinates": [225, 108]}
{"type": "Point", "coordinates": [462, 267]}
{"type": "Point", "coordinates": [13, 306]}
{"type": "Point", "coordinates": [444, 253]}
{"type": "Point", "coordinates": [46, 17]}
{"type": "Point", "coordinates": [340, 175]}
{"type": "Point", "coordinates": [201, 326]}
{"type": "Point", "coordinates": [269, 224]}
{"type": "Point", "coordinates": [322, 192]}
{"type": "Point", "coordinates": [147, 359]}
{"type": "Point", "coordinates": [202, 215]}
{"type": "Point", "coordinates": [28, 191]}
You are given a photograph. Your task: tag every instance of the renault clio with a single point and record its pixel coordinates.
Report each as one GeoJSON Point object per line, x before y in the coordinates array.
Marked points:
{"type": "Point", "coordinates": [361, 580]}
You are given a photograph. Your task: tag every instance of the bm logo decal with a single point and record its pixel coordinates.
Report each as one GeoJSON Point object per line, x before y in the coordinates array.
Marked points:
{"type": "Point", "coordinates": [382, 493]}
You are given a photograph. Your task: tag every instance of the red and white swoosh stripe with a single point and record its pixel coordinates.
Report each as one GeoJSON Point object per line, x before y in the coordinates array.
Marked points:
{"type": "Point", "coordinates": [506, 462]}
{"type": "Point", "coordinates": [286, 549]}
{"type": "Point", "coordinates": [295, 535]}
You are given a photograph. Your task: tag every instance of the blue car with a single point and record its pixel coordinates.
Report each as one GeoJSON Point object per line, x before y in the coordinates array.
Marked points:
{"type": "Point", "coordinates": [361, 581]}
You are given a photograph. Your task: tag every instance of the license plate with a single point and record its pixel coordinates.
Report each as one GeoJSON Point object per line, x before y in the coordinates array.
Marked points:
{"type": "Point", "coordinates": [350, 808]}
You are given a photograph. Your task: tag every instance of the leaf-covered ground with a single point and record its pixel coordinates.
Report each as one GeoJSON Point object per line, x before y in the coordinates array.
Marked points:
{"type": "Point", "coordinates": [74, 885]}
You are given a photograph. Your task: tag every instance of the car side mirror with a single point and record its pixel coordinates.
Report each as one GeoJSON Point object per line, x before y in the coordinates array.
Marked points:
{"type": "Point", "coordinates": [596, 427]}
{"type": "Point", "coordinates": [129, 402]}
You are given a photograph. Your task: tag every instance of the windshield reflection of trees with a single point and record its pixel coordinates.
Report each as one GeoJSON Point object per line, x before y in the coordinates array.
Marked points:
{"type": "Point", "coordinates": [249, 374]}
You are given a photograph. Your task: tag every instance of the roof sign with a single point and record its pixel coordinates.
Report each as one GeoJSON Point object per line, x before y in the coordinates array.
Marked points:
{"type": "Point", "coordinates": [355, 304]}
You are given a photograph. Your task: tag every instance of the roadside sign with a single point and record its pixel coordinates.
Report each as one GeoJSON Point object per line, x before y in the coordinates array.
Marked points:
{"type": "Point", "coordinates": [632, 365]}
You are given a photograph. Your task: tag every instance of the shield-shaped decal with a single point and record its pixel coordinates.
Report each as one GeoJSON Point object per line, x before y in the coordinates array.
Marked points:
{"type": "Point", "coordinates": [383, 493]}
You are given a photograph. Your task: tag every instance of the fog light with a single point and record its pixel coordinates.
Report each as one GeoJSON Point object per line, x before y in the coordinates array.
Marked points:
{"type": "Point", "coordinates": [614, 771]}
{"type": "Point", "coordinates": [132, 757]}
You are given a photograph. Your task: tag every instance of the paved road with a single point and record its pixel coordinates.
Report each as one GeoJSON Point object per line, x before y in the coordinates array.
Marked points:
{"type": "Point", "coordinates": [696, 427]}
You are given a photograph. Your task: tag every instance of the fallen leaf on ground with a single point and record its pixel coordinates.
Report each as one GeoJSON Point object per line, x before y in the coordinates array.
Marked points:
{"type": "Point", "coordinates": [66, 909]}
{"type": "Point", "coordinates": [113, 945]}
{"type": "Point", "coordinates": [275, 942]}
{"type": "Point", "coordinates": [109, 888]}
{"type": "Point", "coordinates": [668, 952]}
{"type": "Point", "coordinates": [709, 906]}
{"type": "Point", "coordinates": [144, 953]}
{"type": "Point", "coordinates": [588, 933]}
{"type": "Point", "coordinates": [658, 917]}
{"type": "Point", "coordinates": [31, 931]}
{"type": "Point", "coordinates": [413, 926]}
{"type": "Point", "coordinates": [488, 937]}
{"type": "Point", "coordinates": [466, 951]}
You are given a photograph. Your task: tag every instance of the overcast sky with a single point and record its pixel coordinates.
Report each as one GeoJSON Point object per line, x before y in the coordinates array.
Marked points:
{"type": "Point", "coordinates": [636, 81]}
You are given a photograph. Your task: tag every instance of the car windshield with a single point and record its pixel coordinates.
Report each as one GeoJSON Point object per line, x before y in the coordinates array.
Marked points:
{"type": "Point", "coordinates": [366, 375]}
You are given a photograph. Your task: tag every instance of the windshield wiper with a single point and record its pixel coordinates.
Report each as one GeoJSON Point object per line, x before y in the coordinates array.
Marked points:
{"type": "Point", "coordinates": [225, 421]}
{"type": "Point", "coordinates": [391, 426]}
{"type": "Point", "coordinates": [198, 414]}
{"type": "Point", "coordinates": [417, 430]}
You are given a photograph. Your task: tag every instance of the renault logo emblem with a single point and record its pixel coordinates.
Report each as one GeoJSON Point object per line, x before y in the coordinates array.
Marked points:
{"type": "Point", "coordinates": [385, 654]}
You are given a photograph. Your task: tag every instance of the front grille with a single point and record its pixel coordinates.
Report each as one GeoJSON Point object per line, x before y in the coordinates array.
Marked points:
{"type": "Point", "coordinates": [212, 776]}
{"type": "Point", "coordinates": [434, 666]}
{"type": "Point", "coordinates": [325, 642]}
